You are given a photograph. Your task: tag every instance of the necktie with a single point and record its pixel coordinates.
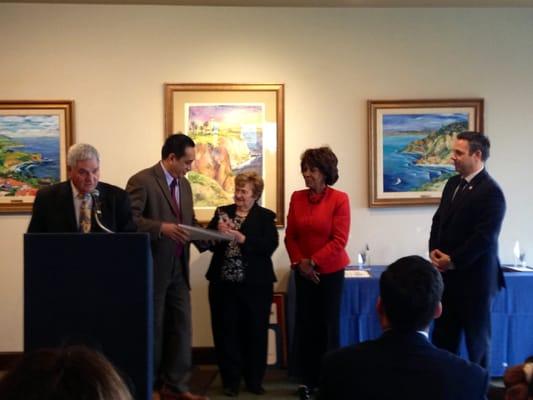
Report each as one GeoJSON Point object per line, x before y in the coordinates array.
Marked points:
{"type": "Point", "coordinates": [173, 185]}
{"type": "Point", "coordinates": [85, 213]}
{"type": "Point", "coordinates": [460, 188]}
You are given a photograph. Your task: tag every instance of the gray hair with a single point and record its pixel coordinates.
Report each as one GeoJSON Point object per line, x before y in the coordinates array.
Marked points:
{"type": "Point", "coordinates": [81, 152]}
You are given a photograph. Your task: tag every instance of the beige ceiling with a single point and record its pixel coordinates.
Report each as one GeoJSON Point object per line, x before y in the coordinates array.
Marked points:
{"type": "Point", "coordinates": [306, 3]}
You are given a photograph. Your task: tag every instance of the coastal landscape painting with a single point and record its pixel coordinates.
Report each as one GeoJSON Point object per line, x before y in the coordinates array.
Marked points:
{"type": "Point", "coordinates": [236, 128]}
{"type": "Point", "coordinates": [33, 140]}
{"type": "Point", "coordinates": [410, 146]}
{"type": "Point", "coordinates": [229, 140]}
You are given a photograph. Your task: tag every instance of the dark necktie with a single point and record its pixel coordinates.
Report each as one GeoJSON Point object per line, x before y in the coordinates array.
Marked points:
{"type": "Point", "coordinates": [175, 204]}
{"type": "Point", "coordinates": [460, 189]}
{"type": "Point", "coordinates": [173, 185]}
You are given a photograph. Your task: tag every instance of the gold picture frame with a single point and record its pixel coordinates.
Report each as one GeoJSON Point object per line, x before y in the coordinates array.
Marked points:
{"type": "Point", "coordinates": [236, 127]}
{"type": "Point", "coordinates": [34, 140]}
{"type": "Point", "coordinates": [409, 147]}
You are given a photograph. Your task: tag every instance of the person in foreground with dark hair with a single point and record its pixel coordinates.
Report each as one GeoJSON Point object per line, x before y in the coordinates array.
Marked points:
{"type": "Point", "coordinates": [161, 199]}
{"type": "Point", "coordinates": [318, 225]}
{"type": "Point", "coordinates": [463, 246]}
{"type": "Point", "coordinates": [68, 373]}
{"type": "Point", "coordinates": [402, 363]}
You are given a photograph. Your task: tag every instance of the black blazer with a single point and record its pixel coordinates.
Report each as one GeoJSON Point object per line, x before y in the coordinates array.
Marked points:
{"type": "Point", "coordinates": [467, 229]}
{"type": "Point", "coordinates": [53, 210]}
{"type": "Point", "coordinates": [262, 239]}
{"type": "Point", "coordinates": [400, 366]}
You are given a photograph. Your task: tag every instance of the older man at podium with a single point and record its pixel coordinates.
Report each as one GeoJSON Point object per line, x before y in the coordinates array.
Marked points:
{"type": "Point", "coordinates": [82, 203]}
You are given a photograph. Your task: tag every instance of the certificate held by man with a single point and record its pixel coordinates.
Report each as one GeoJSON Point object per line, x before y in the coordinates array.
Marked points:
{"type": "Point", "coordinates": [196, 233]}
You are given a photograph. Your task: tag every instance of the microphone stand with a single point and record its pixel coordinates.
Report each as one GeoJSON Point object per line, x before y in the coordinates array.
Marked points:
{"type": "Point", "coordinates": [95, 194]}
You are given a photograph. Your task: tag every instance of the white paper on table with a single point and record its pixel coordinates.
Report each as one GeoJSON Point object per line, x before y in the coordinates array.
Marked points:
{"type": "Point", "coordinates": [356, 273]}
{"type": "Point", "coordinates": [196, 233]}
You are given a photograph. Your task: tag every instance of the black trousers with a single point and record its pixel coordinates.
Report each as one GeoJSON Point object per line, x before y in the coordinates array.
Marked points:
{"type": "Point", "coordinates": [239, 319]}
{"type": "Point", "coordinates": [317, 322]}
{"type": "Point", "coordinates": [461, 312]}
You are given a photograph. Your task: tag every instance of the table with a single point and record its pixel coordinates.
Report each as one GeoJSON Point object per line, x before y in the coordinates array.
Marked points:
{"type": "Point", "coordinates": [512, 317]}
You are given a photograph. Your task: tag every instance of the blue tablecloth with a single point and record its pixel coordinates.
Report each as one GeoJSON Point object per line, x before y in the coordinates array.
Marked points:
{"type": "Point", "coordinates": [512, 317]}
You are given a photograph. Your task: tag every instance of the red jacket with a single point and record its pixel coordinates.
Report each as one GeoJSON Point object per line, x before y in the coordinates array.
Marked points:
{"type": "Point", "coordinates": [319, 231]}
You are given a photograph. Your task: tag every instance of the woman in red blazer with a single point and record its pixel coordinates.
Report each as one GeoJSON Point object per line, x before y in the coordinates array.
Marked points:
{"type": "Point", "coordinates": [317, 231]}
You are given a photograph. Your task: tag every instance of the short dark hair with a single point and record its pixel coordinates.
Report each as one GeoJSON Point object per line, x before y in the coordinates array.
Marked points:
{"type": "Point", "coordinates": [72, 372]}
{"type": "Point", "coordinates": [410, 291]}
{"type": "Point", "coordinates": [325, 160]}
{"type": "Point", "coordinates": [177, 144]}
{"type": "Point", "coordinates": [476, 141]}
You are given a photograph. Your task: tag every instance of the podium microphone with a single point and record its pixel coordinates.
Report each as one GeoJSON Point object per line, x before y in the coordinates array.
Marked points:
{"type": "Point", "coordinates": [95, 194]}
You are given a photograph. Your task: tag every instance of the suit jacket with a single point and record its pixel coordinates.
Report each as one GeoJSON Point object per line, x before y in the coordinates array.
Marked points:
{"type": "Point", "coordinates": [53, 210]}
{"type": "Point", "coordinates": [467, 229]}
{"type": "Point", "coordinates": [259, 227]}
{"type": "Point", "coordinates": [151, 203]}
{"type": "Point", "coordinates": [400, 366]}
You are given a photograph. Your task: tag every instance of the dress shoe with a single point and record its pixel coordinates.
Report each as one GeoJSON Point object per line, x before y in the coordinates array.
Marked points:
{"type": "Point", "coordinates": [256, 389]}
{"type": "Point", "coordinates": [304, 393]}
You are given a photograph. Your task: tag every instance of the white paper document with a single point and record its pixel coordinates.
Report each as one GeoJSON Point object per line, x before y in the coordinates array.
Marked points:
{"type": "Point", "coordinates": [356, 273]}
{"type": "Point", "coordinates": [197, 233]}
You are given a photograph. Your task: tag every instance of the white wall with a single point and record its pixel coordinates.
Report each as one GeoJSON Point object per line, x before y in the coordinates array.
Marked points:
{"type": "Point", "coordinates": [113, 61]}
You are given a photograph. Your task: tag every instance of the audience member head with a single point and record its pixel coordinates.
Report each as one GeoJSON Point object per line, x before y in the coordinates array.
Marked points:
{"type": "Point", "coordinates": [178, 154]}
{"type": "Point", "coordinates": [68, 373]}
{"type": "Point", "coordinates": [518, 381]}
{"type": "Point", "coordinates": [410, 293]}
{"type": "Point", "coordinates": [324, 160]}
{"type": "Point", "coordinates": [83, 167]}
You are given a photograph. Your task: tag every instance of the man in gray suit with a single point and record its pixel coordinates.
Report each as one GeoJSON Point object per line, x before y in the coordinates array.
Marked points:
{"type": "Point", "coordinates": [161, 198]}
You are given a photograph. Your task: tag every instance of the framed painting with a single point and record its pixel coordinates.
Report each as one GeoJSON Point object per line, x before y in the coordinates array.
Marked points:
{"type": "Point", "coordinates": [410, 147]}
{"type": "Point", "coordinates": [236, 128]}
{"type": "Point", "coordinates": [34, 139]}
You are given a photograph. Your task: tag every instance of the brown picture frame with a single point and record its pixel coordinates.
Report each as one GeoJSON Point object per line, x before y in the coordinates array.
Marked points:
{"type": "Point", "coordinates": [248, 116]}
{"type": "Point", "coordinates": [409, 143]}
{"type": "Point", "coordinates": [34, 139]}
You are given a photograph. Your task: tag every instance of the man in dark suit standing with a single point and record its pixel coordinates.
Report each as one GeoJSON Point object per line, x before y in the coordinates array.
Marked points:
{"type": "Point", "coordinates": [402, 363]}
{"type": "Point", "coordinates": [161, 199]}
{"type": "Point", "coordinates": [464, 247]}
{"type": "Point", "coordinates": [81, 204]}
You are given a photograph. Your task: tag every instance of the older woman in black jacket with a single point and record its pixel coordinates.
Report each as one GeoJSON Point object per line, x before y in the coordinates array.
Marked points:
{"type": "Point", "coordinates": [241, 277]}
